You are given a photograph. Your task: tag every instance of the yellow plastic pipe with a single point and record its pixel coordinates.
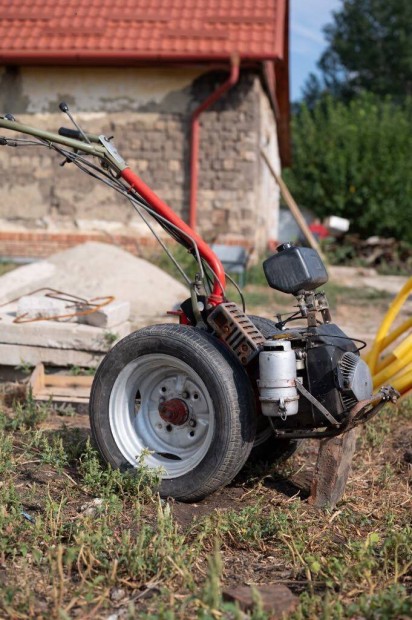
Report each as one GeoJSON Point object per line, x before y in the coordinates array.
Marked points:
{"type": "Point", "coordinates": [394, 368]}
{"type": "Point", "coordinates": [403, 383]}
{"type": "Point", "coordinates": [399, 352]}
{"type": "Point", "coordinates": [394, 335]}
{"type": "Point", "coordinates": [386, 324]}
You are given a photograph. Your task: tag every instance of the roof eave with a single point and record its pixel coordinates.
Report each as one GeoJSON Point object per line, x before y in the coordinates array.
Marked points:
{"type": "Point", "coordinates": [21, 57]}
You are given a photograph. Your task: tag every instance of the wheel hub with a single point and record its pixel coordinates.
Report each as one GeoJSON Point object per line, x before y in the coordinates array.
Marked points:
{"type": "Point", "coordinates": [174, 411]}
{"type": "Point", "coordinates": [160, 403]}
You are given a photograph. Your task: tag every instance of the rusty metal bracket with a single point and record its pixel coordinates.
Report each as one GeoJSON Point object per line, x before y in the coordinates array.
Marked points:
{"type": "Point", "coordinates": [361, 413]}
{"type": "Point", "coordinates": [316, 403]}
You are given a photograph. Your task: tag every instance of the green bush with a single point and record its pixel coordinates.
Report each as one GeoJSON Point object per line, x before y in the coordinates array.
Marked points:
{"type": "Point", "coordinates": [354, 160]}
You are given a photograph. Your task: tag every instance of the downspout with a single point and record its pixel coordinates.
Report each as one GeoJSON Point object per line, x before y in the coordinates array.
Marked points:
{"type": "Point", "coordinates": [194, 136]}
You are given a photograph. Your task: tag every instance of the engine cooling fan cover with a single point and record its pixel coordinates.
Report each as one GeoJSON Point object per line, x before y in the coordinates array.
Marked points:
{"type": "Point", "coordinates": [357, 379]}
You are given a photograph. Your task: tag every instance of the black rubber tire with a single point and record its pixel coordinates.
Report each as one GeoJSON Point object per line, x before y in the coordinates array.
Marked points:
{"type": "Point", "coordinates": [228, 386]}
{"type": "Point", "coordinates": [269, 450]}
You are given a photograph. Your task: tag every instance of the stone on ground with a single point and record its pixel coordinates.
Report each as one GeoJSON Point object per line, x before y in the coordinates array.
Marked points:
{"type": "Point", "coordinates": [275, 599]}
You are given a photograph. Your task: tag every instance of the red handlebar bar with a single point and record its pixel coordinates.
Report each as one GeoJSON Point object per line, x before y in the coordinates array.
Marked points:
{"type": "Point", "coordinates": [165, 211]}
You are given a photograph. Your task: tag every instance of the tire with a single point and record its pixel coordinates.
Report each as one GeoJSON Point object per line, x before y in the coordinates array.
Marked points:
{"type": "Point", "coordinates": [212, 434]}
{"type": "Point", "coordinates": [266, 448]}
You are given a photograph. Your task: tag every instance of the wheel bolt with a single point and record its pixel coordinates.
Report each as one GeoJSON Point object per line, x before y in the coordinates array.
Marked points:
{"type": "Point", "coordinates": [192, 422]}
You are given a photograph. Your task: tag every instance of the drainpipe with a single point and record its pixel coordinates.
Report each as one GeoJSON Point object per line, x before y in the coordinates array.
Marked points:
{"type": "Point", "coordinates": [194, 137]}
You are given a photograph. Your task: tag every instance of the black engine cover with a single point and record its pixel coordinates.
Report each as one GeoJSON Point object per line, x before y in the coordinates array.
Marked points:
{"type": "Point", "coordinates": [325, 346]}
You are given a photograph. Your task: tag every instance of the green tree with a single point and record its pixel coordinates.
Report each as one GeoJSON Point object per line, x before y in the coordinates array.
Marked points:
{"type": "Point", "coordinates": [355, 160]}
{"type": "Point", "coordinates": [369, 49]}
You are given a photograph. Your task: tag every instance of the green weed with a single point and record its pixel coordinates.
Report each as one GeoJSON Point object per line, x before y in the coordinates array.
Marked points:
{"type": "Point", "coordinates": [77, 371]}
{"type": "Point", "coordinates": [105, 481]}
{"type": "Point", "coordinates": [391, 602]}
{"type": "Point", "coordinates": [29, 414]}
{"type": "Point", "coordinates": [50, 451]}
{"type": "Point", "coordinates": [110, 338]}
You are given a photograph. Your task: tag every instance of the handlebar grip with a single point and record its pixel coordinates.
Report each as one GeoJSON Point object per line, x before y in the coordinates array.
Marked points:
{"type": "Point", "coordinates": [70, 133]}
{"type": "Point", "coordinates": [76, 135]}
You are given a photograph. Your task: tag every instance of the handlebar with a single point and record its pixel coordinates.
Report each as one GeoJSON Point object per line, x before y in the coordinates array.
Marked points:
{"type": "Point", "coordinates": [76, 135]}
{"type": "Point", "coordinates": [106, 151]}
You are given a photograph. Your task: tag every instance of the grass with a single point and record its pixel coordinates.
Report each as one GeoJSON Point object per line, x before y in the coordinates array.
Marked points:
{"type": "Point", "coordinates": [79, 539]}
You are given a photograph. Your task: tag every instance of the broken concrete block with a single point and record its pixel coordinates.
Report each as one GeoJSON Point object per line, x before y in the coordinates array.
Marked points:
{"type": "Point", "coordinates": [276, 599]}
{"type": "Point", "coordinates": [40, 306]}
{"type": "Point", "coordinates": [109, 316]}
{"type": "Point", "coordinates": [332, 469]}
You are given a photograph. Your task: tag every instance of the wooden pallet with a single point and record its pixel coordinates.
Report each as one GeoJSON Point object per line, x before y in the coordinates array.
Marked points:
{"type": "Point", "coordinates": [59, 388]}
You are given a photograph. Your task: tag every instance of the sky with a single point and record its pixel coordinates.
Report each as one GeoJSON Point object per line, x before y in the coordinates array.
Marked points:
{"type": "Point", "coordinates": [307, 39]}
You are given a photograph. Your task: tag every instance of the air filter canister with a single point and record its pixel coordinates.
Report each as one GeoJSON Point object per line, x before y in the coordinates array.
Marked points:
{"type": "Point", "coordinates": [277, 382]}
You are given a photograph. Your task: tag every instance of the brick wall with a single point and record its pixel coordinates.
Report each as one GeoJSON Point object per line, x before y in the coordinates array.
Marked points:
{"type": "Point", "coordinates": [40, 244]}
{"type": "Point", "coordinates": [235, 199]}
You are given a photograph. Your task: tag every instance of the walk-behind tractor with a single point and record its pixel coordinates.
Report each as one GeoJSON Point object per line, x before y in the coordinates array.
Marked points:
{"type": "Point", "coordinates": [197, 399]}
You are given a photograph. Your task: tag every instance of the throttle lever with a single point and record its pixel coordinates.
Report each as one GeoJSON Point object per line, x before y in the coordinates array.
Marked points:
{"type": "Point", "coordinates": [65, 108]}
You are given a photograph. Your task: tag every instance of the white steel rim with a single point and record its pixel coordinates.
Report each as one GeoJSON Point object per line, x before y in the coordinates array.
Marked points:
{"type": "Point", "coordinates": [136, 424]}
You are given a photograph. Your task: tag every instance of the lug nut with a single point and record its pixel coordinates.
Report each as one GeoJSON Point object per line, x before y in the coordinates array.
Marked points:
{"type": "Point", "coordinates": [192, 422]}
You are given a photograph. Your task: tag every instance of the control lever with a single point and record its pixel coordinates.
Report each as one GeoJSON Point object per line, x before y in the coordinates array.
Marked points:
{"type": "Point", "coordinates": [65, 108]}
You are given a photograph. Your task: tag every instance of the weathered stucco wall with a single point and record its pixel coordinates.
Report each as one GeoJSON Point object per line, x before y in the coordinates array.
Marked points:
{"type": "Point", "coordinates": [148, 111]}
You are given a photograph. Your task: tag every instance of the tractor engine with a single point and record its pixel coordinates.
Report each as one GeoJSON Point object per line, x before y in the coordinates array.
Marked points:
{"type": "Point", "coordinates": [309, 378]}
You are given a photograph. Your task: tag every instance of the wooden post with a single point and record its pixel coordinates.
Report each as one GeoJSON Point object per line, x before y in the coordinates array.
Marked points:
{"type": "Point", "coordinates": [332, 469]}
{"type": "Point", "coordinates": [294, 209]}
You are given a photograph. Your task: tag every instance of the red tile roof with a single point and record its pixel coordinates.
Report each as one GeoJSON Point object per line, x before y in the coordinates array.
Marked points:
{"type": "Point", "coordinates": [101, 31]}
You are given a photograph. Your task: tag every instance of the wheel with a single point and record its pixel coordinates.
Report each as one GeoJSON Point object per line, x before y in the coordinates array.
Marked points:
{"type": "Point", "coordinates": [266, 448]}
{"type": "Point", "coordinates": [175, 391]}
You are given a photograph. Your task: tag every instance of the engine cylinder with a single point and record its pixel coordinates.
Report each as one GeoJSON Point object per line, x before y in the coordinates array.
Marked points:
{"type": "Point", "coordinates": [277, 383]}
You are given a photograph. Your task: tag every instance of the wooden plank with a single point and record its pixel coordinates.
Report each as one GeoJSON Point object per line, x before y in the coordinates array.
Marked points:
{"type": "Point", "coordinates": [37, 378]}
{"type": "Point", "coordinates": [60, 388]}
{"type": "Point", "coordinates": [63, 399]}
{"type": "Point", "coordinates": [294, 209]}
{"type": "Point", "coordinates": [68, 381]}
{"type": "Point", "coordinates": [63, 392]}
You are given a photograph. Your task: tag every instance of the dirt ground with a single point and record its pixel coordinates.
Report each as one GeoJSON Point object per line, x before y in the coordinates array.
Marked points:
{"type": "Point", "coordinates": [136, 557]}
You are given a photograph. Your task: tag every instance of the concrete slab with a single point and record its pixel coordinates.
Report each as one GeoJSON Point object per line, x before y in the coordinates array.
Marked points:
{"type": "Point", "coordinates": [18, 355]}
{"type": "Point", "coordinates": [59, 335]}
{"type": "Point", "coordinates": [109, 316]}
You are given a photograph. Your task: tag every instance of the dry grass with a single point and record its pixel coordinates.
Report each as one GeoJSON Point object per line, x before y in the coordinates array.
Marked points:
{"type": "Point", "coordinates": [62, 555]}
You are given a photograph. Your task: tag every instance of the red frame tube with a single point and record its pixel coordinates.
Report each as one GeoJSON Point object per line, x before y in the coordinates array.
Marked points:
{"type": "Point", "coordinates": [194, 137]}
{"type": "Point", "coordinates": [167, 212]}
